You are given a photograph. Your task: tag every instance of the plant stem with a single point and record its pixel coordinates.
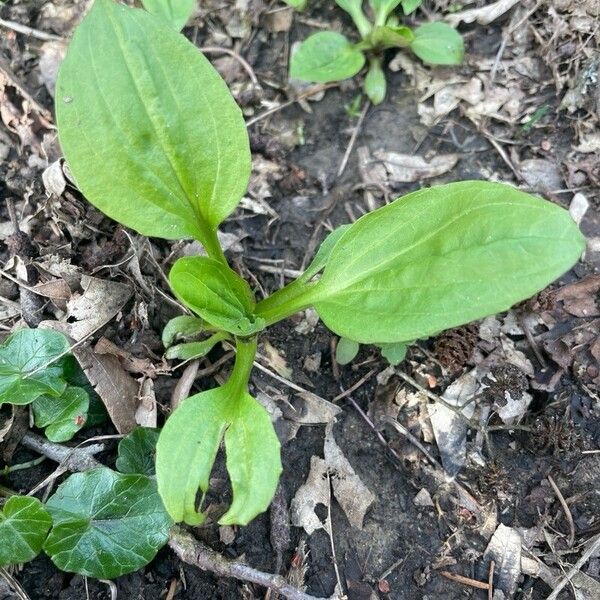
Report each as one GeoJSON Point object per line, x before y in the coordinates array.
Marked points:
{"type": "Point", "coordinates": [362, 23]}
{"type": "Point", "coordinates": [7, 492]}
{"type": "Point", "coordinates": [288, 300]}
{"type": "Point", "coordinates": [210, 241]}
{"type": "Point", "coordinates": [244, 360]}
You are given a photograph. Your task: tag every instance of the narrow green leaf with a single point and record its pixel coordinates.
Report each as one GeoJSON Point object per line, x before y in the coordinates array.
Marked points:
{"type": "Point", "coordinates": [326, 56]}
{"type": "Point", "coordinates": [182, 326]}
{"type": "Point", "coordinates": [29, 367]}
{"type": "Point", "coordinates": [441, 257]}
{"type": "Point", "coordinates": [375, 84]}
{"type": "Point", "coordinates": [62, 416]}
{"type": "Point", "coordinates": [383, 8]}
{"type": "Point", "coordinates": [149, 129]}
{"type": "Point", "coordinates": [216, 293]}
{"type": "Point", "coordinates": [137, 452]}
{"type": "Point", "coordinates": [394, 353]}
{"type": "Point", "coordinates": [106, 524]}
{"type": "Point", "coordinates": [188, 445]}
{"type": "Point", "coordinates": [346, 351]}
{"type": "Point", "coordinates": [24, 525]}
{"type": "Point", "coordinates": [354, 9]}
{"type": "Point", "coordinates": [191, 350]}
{"type": "Point", "coordinates": [174, 12]}
{"type": "Point", "coordinates": [322, 256]}
{"type": "Point", "coordinates": [438, 44]}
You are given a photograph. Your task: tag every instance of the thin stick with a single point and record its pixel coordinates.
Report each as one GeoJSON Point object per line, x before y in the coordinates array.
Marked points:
{"type": "Point", "coordinates": [491, 580]}
{"type": "Point", "coordinates": [14, 584]}
{"type": "Point", "coordinates": [194, 552]}
{"type": "Point", "coordinates": [591, 551]}
{"type": "Point", "coordinates": [25, 30]}
{"type": "Point", "coordinates": [566, 510]}
{"type": "Point", "coordinates": [246, 66]}
{"type": "Point", "coordinates": [353, 138]}
{"type": "Point", "coordinates": [330, 533]}
{"type": "Point", "coordinates": [480, 585]}
{"type": "Point", "coordinates": [354, 387]}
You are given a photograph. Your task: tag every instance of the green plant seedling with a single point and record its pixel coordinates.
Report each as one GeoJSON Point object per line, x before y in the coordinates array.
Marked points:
{"type": "Point", "coordinates": [297, 4]}
{"type": "Point", "coordinates": [329, 56]}
{"type": "Point", "coordinates": [433, 259]}
{"type": "Point", "coordinates": [35, 369]}
{"type": "Point", "coordinates": [174, 12]}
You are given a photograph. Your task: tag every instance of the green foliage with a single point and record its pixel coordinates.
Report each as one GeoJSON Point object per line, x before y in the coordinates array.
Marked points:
{"type": "Point", "coordinates": [106, 524]}
{"type": "Point", "coordinates": [62, 417]}
{"type": "Point", "coordinates": [216, 293]}
{"type": "Point", "coordinates": [346, 351]}
{"type": "Point", "coordinates": [28, 366]}
{"type": "Point", "coordinates": [174, 12]}
{"type": "Point", "coordinates": [409, 6]}
{"type": "Point", "coordinates": [297, 4]}
{"type": "Point", "coordinates": [326, 56]}
{"type": "Point", "coordinates": [438, 44]}
{"type": "Point", "coordinates": [167, 123]}
{"type": "Point", "coordinates": [137, 451]}
{"type": "Point", "coordinates": [434, 259]}
{"type": "Point", "coordinates": [375, 85]}
{"type": "Point", "coordinates": [24, 525]}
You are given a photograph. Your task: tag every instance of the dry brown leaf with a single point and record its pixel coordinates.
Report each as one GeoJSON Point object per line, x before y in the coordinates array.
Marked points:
{"type": "Point", "coordinates": [117, 389]}
{"type": "Point", "coordinates": [314, 491]}
{"type": "Point", "coordinates": [351, 493]}
{"type": "Point", "coordinates": [505, 550]}
{"type": "Point", "coordinates": [484, 15]}
{"type": "Point", "coordinates": [541, 175]}
{"type": "Point", "coordinates": [309, 409]}
{"type": "Point", "coordinates": [54, 179]}
{"type": "Point", "coordinates": [51, 55]}
{"type": "Point", "coordinates": [146, 414]}
{"type": "Point", "coordinates": [276, 361]}
{"type": "Point", "coordinates": [407, 168]}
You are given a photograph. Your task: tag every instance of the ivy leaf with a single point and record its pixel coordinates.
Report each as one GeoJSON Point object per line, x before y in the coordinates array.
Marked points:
{"type": "Point", "coordinates": [137, 451]}
{"type": "Point", "coordinates": [182, 326]}
{"type": "Point", "coordinates": [441, 257]}
{"type": "Point", "coordinates": [24, 525]}
{"type": "Point", "coordinates": [326, 56]}
{"type": "Point", "coordinates": [174, 159]}
{"type": "Point", "coordinates": [174, 12]}
{"type": "Point", "coordinates": [106, 524]}
{"type": "Point", "coordinates": [188, 445]}
{"type": "Point", "coordinates": [438, 44]}
{"type": "Point", "coordinates": [28, 366]}
{"type": "Point", "coordinates": [62, 416]}
{"type": "Point", "coordinates": [216, 293]}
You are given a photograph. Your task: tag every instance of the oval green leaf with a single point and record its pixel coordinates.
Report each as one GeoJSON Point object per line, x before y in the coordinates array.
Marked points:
{"type": "Point", "coordinates": [326, 56]}
{"type": "Point", "coordinates": [441, 257]}
{"type": "Point", "coordinates": [149, 129]}
{"type": "Point", "coordinates": [106, 524]}
{"type": "Point", "coordinates": [375, 84]}
{"type": "Point", "coordinates": [216, 293]}
{"type": "Point", "coordinates": [29, 367]}
{"type": "Point", "coordinates": [346, 351]}
{"type": "Point", "coordinates": [183, 326]}
{"type": "Point", "coordinates": [188, 445]}
{"type": "Point", "coordinates": [438, 44]}
{"type": "Point", "coordinates": [174, 12]}
{"type": "Point", "coordinates": [62, 416]}
{"type": "Point", "coordinates": [137, 452]}
{"type": "Point", "coordinates": [24, 525]}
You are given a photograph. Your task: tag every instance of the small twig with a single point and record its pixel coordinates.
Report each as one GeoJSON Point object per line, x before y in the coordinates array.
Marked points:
{"type": "Point", "coordinates": [566, 510]}
{"type": "Point", "coordinates": [185, 383]}
{"type": "Point", "coordinates": [307, 94]}
{"type": "Point", "coordinates": [25, 30]}
{"type": "Point", "coordinates": [355, 386]}
{"type": "Point", "coordinates": [330, 534]}
{"type": "Point", "coordinates": [353, 138]}
{"type": "Point", "coordinates": [73, 459]}
{"type": "Point", "coordinates": [491, 580]}
{"type": "Point", "coordinates": [23, 466]}
{"type": "Point", "coordinates": [114, 594]}
{"type": "Point", "coordinates": [587, 554]}
{"type": "Point", "coordinates": [414, 441]}
{"type": "Point", "coordinates": [246, 66]}
{"type": "Point", "coordinates": [480, 585]}
{"type": "Point", "coordinates": [14, 584]}
{"type": "Point", "coordinates": [194, 552]}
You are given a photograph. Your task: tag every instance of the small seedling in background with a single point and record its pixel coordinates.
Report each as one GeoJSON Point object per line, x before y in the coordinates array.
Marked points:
{"type": "Point", "coordinates": [297, 4]}
{"type": "Point", "coordinates": [136, 99]}
{"type": "Point", "coordinates": [329, 56]}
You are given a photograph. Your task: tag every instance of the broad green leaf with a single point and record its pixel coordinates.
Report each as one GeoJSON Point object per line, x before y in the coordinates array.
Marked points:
{"type": "Point", "coordinates": [182, 326]}
{"type": "Point", "coordinates": [391, 37]}
{"type": "Point", "coordinates": [216, 293]}
{"type": "Point", "coordinates": [191, 350]}
{"type": "Point", "coordinates": [394, 353]}
{"type": "Point", "coordinates": [149, 129]}
{"type": "Point", "coordinates": [106, 524]}
{"type": "Point", "coordinates": [29, 367]}
{"type": "Point", "coordinates": [326, 56]}
{"type": "Point", "coordinates": [188, 445]}
{"type": "Point", "coordinates": [438, 44]}
{"type": "Point", "coordinates": [137, 451]}
{"type": "Point", "coordinates": [24, 525]}
{"type": "Point", "coordinates": [409, 6]}
{"type": "Point", "coordinates": [346, 351]}
{"type": "Point", "coordinates": [323, 253]}
{"type": "Point", "coordinates": [441, 257]}
{"type": "Point", "coordinates": [375, 84]}
{"type": "Point", "coordinates": [174, 12]}
{"type": "Point", "coordinates": [62, 416]}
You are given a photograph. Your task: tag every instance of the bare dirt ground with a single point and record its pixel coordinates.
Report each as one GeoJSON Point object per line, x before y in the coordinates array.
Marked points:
{"type": "Point", "coordinates": [522, 109]}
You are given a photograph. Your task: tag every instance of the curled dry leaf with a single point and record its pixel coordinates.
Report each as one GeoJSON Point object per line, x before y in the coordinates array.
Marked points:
{"type": "Point", "coordinates": [484, 15]}
{"type": "Point", "coordinates": [54, 179]}
{"type": "Point", "coordinates": [117, 389]}
{"type": "Point", "coordinates": [52, 53]}
{"type": "Point", "coordinates": [314, 491]}
{"type": "Point", "coordinates": [407, 168]}
{"type": "Point", "coordinates": [505, 550]}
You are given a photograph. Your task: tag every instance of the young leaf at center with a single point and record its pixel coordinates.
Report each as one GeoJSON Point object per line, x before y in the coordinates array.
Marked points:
{"type": "Point", "coordinates": [438, 44]}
